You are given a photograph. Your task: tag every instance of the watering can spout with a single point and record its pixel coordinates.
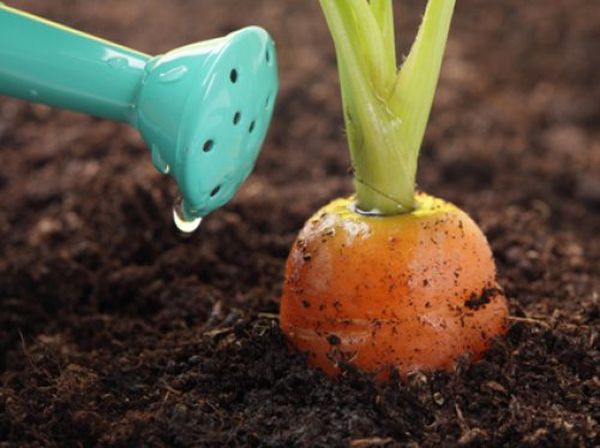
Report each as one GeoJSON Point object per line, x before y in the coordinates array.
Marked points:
{"type": "Point", "coordinates": [202, 109]}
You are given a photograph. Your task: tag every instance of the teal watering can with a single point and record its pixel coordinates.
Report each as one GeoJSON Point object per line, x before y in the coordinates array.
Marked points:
{"type": "Point", "coordinates": [202, 109]}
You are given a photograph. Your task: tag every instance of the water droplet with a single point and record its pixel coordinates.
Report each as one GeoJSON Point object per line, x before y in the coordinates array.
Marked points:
{"type": "Point", "coordinates": [181, 222]}
{"type": "Point", "coordinates": [174, 74]}
{"type": "Point", "coordinates": [183, 225]}
{"type": "Point", "coordinates": [158, 161]}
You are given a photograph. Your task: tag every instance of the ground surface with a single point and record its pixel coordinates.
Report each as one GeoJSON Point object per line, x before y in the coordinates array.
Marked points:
{"type": "Point", "coordinates": [116, 331]}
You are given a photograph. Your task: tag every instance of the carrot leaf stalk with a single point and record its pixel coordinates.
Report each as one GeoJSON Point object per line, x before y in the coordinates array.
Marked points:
{"type": "Point", "coordinates": [385, 108]}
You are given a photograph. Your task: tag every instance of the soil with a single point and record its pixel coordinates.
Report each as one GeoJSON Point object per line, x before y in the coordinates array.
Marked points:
{"type": "Point", "coordinates": [117, 331]}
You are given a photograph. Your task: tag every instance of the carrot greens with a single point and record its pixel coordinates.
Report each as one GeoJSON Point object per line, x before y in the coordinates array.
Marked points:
{"type": "Point", "coordinates": [385, 108]}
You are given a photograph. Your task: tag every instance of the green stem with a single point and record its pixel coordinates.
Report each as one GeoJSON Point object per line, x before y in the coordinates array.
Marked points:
{"type": "Point", "coordinates": [386, 110]}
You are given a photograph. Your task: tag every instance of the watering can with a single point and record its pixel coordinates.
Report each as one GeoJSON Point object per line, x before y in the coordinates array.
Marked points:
{"type": "Point", "coordinates": [203, 109]}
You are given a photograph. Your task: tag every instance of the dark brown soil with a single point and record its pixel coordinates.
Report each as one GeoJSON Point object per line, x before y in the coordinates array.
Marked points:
{"type": "Point", "coordinates": [115, 331]}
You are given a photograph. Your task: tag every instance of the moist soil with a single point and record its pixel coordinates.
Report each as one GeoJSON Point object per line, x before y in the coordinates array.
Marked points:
{"type": "Point", "coordinates": [117, 331]}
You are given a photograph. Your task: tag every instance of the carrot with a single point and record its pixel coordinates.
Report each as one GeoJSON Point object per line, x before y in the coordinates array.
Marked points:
{"type": "Point", "coordinates": [412, 291]}
{"type": "Point", "coordinates": [389, 278]}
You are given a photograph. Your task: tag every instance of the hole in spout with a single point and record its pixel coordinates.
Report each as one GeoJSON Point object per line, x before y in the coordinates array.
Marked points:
{"type": "Point", "coordinates": [233, 75]}
{"type": "Point", "coordinates": [208, 145]}
{"type": "Point", "coordinates": [215, 191]}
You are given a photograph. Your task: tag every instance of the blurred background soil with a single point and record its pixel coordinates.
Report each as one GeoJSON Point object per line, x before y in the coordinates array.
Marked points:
{"type": "Point", "coordinates": [116, 331]}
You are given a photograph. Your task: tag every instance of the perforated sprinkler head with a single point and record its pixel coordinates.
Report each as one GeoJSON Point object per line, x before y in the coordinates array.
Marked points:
{"type": "Point", "coordinates": [202, 109]}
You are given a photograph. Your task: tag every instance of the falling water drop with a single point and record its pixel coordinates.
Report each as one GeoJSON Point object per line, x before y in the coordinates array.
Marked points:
{"type": "Point", "coordinates": [184, 225]}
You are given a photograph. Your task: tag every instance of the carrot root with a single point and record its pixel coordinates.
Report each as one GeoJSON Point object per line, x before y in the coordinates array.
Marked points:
{"type": "Point", "coordinates": [407, 292]}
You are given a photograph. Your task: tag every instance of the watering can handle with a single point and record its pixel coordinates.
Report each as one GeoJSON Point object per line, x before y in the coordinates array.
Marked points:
{"type": "Point", "coordinates": [44, 62]}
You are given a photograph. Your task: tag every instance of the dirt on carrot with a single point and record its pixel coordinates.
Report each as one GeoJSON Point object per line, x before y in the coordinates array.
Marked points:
{"type": "Point", "coordinates": [116, 332]}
